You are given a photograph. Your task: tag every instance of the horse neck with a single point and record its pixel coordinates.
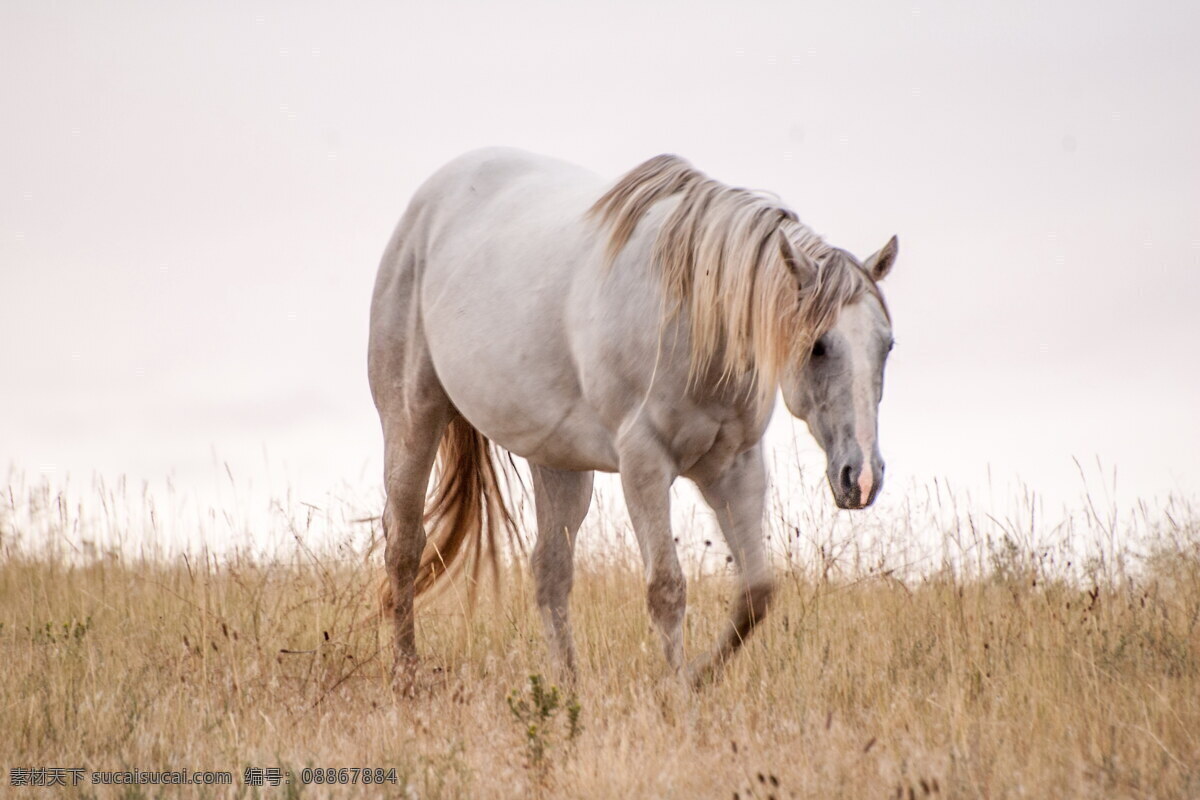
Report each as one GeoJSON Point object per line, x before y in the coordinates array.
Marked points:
{"type": "Point", "coordinates": [736, 396]}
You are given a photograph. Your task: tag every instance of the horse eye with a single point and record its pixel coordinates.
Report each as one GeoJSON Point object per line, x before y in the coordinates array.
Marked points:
{"type": "Point", "coordinates": [818, 349]}
{"type": "Point", "coordinates": [891, 345]}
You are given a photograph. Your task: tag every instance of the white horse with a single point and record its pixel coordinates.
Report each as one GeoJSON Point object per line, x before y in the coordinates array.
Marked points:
{"type": "Point", "coordinates": [642, 327]}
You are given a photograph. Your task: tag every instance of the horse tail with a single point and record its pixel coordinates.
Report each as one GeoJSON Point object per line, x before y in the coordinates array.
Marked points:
{"type": "Point", "coordinates": [467, 512]}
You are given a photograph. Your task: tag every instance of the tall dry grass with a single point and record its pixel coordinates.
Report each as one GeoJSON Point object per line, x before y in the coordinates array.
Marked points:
{"type": "Point", "coordinates": [1000, 663]}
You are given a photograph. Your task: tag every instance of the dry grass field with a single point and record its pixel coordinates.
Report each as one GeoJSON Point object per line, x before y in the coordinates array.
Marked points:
{"type": "Point", "coordinates": [1000, 667]}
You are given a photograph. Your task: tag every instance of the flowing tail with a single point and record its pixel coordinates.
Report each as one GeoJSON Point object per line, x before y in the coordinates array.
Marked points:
{"type": "Point", "coordinates": [466, 514]}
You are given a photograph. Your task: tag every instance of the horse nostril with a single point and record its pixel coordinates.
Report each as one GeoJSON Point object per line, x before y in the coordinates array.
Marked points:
{"type": "Point", "coordinates": [847, 482]}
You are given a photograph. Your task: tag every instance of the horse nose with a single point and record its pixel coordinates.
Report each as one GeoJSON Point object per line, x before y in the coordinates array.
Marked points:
{"type": "Point", "coordinates": [849, 489]}
{"type": "Point", "coordinates": [846, 480]}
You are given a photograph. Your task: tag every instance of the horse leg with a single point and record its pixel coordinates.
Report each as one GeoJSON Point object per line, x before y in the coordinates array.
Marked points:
{"type": "Point", "coordinates": [562, 499]}
{"type": "Point", "coordinates": [414, 411]}
{"type": "Point", "coordinates": [738, 496]}
{"type": "Point", "coordinates": [410, 447]}
{"type": "Point", "coordinates": [646, 476]}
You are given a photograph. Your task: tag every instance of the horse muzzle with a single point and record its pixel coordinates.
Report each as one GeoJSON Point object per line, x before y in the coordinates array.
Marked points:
{"type": "Point", "coordinates": [855, 484]}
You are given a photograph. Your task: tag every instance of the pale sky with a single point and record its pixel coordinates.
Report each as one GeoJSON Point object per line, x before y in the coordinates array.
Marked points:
{"type": "Point", "coordinates": [194, 199]}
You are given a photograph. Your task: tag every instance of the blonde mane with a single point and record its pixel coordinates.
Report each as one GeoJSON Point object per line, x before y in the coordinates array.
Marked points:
{"type": "Point", "coordinates": [759, 286]}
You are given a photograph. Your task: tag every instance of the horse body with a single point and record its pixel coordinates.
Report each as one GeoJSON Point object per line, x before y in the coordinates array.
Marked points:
{"type": "Point", "coordinates": [515, 310]}
{"type": "Point", "coordinates": [503, 313]}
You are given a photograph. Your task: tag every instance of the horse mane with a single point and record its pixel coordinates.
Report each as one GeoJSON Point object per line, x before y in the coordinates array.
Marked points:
{"type": "Point", "coordinates": [760, 287]}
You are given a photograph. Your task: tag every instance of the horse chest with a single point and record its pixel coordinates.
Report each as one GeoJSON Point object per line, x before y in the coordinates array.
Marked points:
{"type": "Point", "coordinates": [703, 451]}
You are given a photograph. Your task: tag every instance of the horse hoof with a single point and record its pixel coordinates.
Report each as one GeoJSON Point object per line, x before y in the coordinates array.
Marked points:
{"type": "Point", "coordinates": [404, 675]}
{"type": "Point", "coordinates": [700, 673]}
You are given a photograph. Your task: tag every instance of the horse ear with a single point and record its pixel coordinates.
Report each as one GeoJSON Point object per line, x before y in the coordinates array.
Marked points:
{"type": "Point", "coordinates": [800, 265]}
{"type": "Point", "coordinates": [880, 264]}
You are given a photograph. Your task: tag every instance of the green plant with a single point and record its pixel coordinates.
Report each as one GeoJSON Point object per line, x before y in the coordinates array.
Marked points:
{"type": "Point", "coordinates": [536, 709]}
{"type": "Point", "coordinates": [72, 631]}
